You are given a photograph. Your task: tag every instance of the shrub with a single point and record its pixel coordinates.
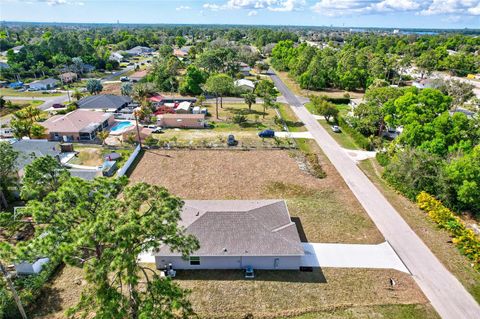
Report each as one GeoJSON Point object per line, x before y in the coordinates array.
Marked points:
{"type": "Point", "coordinates": [359, 139]}
{"type": "Point", "coordinates": [464, 239]}
{"type": "Point", "coordinates": [239, 119]}
{"type": "Point", "coordinates": [314, 165]}
{"type": "Point", "coordinates": [382, 158]}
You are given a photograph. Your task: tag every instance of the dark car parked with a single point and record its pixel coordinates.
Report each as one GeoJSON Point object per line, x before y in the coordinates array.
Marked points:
{"type": "Point", "coordinates": [231, 140]}
{"type": "Point", "coordinates": [267, 133]}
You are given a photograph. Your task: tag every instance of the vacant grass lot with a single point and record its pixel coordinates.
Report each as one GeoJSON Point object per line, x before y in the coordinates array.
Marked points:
{"type": "Point", "coordinates": [257, 118]}
{"type": "Point", "coordinates": [94, 155]}
{"type": "Point", "coordinates": [18, 105]}
{"type": "Point", "coordinates": [295, 88]}
{"type": "Point", "coordinates": [436, 239]}
{"type": "Point", "coordinates": [327, 210]}
{"type": "Point", "coordinates": [12, 92]}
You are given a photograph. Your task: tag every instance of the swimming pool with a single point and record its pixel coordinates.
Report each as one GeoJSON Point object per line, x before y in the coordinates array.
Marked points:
{"type": "Point", "coordinates": [121, 126]}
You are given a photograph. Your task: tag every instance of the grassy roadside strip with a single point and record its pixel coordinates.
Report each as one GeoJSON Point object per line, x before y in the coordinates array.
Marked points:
{"type": "Point", "coordinates": [438, 240]}
{"type": "Point", "coordinates": [424, 311]}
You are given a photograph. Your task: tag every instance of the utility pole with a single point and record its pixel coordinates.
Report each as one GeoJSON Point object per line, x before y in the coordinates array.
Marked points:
{"type": "Point", "coordinates": [13, 290]}
{"type": "Point", "coordinates": [136, 122]}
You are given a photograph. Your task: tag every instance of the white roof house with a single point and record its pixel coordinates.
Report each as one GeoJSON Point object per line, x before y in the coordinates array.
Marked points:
{"type": "Point", "coordinates": [116, 56]}
{"type": "Point", "coordinates": [46, 84]}
{"type": "Point", "coordinates": [183, 107]}
{"type": "Point", "coordinates": [245, 84]}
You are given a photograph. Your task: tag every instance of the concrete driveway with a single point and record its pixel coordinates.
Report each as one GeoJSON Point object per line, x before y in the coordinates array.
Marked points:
{"type": "Point", "coordinates": [352, 256]}
{"type": "Point", "coordinates": [294, 134]}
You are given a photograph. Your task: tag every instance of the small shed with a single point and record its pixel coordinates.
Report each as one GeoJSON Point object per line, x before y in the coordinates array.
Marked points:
{"type": "Point", "coordinates": [109, 168]}
{"type": "Point", "coordinates": [27, 268]}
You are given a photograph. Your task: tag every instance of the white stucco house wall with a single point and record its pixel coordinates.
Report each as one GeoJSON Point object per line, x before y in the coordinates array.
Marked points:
{"type": "Point", "coordinates": [234, 234]}
{"type": "Point", "coordinates": [244, 84]}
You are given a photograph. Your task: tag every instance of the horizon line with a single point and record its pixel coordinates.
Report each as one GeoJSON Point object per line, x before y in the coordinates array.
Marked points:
{"type": "Point", "coordinates": [238, 24]}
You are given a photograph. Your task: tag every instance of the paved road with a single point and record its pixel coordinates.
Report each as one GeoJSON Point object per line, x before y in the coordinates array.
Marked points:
{"type": "Point", "coordinates": [117, 73]}
{"type": "Point", "coordinates": [48, 102]}
{"type": "Point", "coordinates": [445, 292]}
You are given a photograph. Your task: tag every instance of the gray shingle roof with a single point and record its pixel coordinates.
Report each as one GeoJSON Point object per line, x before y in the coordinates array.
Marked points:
{"type": "Point", "coordinates": [240, 228]}
{"type": "Point", "coordinates": [31, 149]}
{"type": "Point", "coordinates": [103, 101]}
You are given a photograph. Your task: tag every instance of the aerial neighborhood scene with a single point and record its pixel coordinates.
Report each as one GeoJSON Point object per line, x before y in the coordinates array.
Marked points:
{"type": "Point", "coordinates": [240, 159]}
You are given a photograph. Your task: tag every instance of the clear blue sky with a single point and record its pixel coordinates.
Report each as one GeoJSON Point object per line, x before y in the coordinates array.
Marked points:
{"type": "Point", "coordinates": [368, 13]}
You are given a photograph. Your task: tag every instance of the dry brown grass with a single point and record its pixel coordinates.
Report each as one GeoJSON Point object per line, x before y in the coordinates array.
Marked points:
{"type": "Point", "coordinates": [225, 294]}
{"type": "Point", "coordinates": [215, 174]}
{"type": "Point", "coordinates": [89, 156]}
{"type": "Point", "coordinates": [61, 293]}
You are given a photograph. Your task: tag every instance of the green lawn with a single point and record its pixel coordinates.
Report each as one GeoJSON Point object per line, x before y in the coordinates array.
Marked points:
{"type": "Point", "coordinates": [342, 138]}
{"type": "Point", "coordinates": [293, 124]}
{"type": "Point", "coordinates": [12, 92]}
{"type": "Point", "coordinates": [18, 105]}
{"type": "Point", "coordinates": [257, 118]}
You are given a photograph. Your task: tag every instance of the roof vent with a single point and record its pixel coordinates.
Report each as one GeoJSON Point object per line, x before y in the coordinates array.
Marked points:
{"type": "Point", "coordinates": [198, 213]}
{"type": "Point", "coordinates": [224, 250]}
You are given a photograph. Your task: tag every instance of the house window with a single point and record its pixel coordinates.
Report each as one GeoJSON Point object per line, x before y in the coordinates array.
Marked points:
{"type": "Point", "coordinates": [194, 261]}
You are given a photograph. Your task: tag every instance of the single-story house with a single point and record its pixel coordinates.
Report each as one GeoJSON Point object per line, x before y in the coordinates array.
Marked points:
{"type": "Point", "coordinates": [68, 77]}
{"type": "Point", "coordinates": [423, 84]}
{"type": "Point", "coordinates": [244, 68]}
{"type": "Point", "coordinates": [104, 102]}
{"type": "Point", "coordinates": [139, 50]}
{"type": "Point", "coordinates": [46, 84]}
{"type": "Point", "coordinates": [180, 53]}
{"type": "Point", "coordinates": [14, 49]}
{"type": "Point", "coordinates": [79, 125]}
{"type": "Point", "coordinates": [245, 84]}
{"type": "Point", "coordinates": [158, 100]}
{"type": "Point", "coordinates": [16, 85]}
{"type": "Point", "coordinates": [31, 149]}
{"type": "Point", "coordinates": [234, 234]}
{"type": "Point", "coordinates": [181, 120]}
{"type": "Point", "coordinates": [116, 56]}
{"type": "Point", "coordinates": [183, 107]}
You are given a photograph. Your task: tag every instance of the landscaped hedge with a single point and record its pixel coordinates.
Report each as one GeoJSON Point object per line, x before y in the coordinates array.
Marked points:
{"type": "Point", "coordinates": [465, 239]}
{"type": "Point", "coordinates": [359, 139]}
{"type": "Point", "coordinates": [339, 100]}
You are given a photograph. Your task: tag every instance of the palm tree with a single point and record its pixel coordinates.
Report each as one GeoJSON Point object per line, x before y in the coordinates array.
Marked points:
{"type": "Point", "coordinates": [250, 98]}
{"type": "Point", "coordinates": [103, 135]}
{"type": "Point", "coordinates": [77, 94]}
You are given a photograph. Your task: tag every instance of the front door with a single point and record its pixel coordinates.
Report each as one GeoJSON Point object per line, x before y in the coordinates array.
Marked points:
{"type": "Point", "coordinates": [276, 263]}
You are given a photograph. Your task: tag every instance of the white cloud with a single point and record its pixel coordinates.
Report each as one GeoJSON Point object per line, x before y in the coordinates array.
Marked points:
{"type": "Point", "coordinates": [395, 5]}
{"type": "Point", "coordinates": [252, 13]}
{"type": "Point", "coordinates": [272, 5]}
{"type": "Point", "coordinates": [54, 2]}
{"type": "Point", "coordinates": [422, 7]}
{"type": "Point", "coordinates": [183, 8]}
{"type": "Point", "coordinates": [475, 10]}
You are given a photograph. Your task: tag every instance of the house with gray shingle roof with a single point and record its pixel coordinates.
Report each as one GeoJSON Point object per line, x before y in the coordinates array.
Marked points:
{"type": "Point", "coordinates": [104, 102]}
{"type": "Point", "coordinates": [234, 234]}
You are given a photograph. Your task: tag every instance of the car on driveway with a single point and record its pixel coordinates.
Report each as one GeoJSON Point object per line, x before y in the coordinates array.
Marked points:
{"type": "Point", "coordinates": [336, 129]}
{"type": "Point", "coordinates": [231, 140]}
{"type": "Point", "coordinates": [266, 133]}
